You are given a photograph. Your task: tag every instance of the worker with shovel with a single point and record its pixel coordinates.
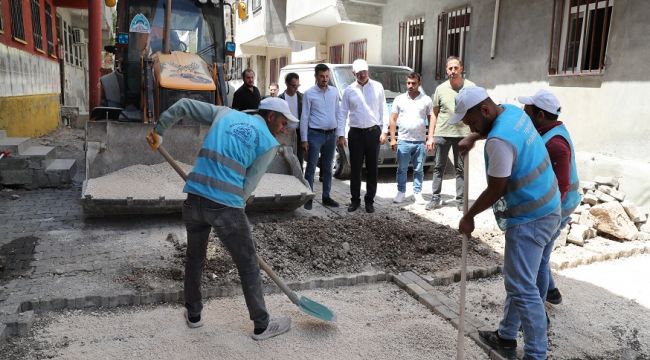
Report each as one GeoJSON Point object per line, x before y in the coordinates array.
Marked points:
{"type": "Point", "coordinates": [523, 192]}
{"type": "Point", "coordinates": [235, 154]}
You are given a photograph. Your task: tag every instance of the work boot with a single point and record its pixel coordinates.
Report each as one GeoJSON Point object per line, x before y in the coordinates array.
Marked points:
{"type": "Point", "coordinates": [193, 321]}
{"type": "Point", "coordinates": [493, 339]}
{"type": "Point", "coordinates": [433, 204]}
{"type": "Point", "coordinates": [554, 297]}
{"type": "Point", "coordinates": [328, 201]}
{"type": "Point", "coordinates": [308, 205]}
{"type": "Point", "coordinates": [399, 197]}
{"type": "Point", "coordinates": [276, 326]}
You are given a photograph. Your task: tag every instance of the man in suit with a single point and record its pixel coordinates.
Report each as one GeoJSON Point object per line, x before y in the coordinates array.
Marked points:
{"type": "Point", "coordinates": [294, 98]}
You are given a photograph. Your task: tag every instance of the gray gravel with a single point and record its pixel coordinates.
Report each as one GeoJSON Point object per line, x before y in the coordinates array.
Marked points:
{"type": "Point", "coordinates": [376, 321]}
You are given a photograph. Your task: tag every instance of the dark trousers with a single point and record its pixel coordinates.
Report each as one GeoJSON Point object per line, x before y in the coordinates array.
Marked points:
{"type": "Point", "coordinates": [300, 152]}
{"type": "Point", "coordinates": [231, 224]}
{"type": "Point", "coordinates": [364, 146]}
{"type": "Point", "coordinates": [443, 144]}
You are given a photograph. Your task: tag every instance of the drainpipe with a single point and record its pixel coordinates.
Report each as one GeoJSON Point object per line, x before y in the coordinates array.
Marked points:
{"type": "Point", "coordinates": [94, 51]}
{"type": "Point", "coordinates": [494, 28]}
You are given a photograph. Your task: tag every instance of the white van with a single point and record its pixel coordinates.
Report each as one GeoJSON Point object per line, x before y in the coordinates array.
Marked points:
{"type": "Point", "coordinates": [393, 78]}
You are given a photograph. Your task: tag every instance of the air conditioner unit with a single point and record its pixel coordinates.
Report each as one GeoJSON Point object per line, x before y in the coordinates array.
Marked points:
{"type": "Point", "coordinates": [78, 36]}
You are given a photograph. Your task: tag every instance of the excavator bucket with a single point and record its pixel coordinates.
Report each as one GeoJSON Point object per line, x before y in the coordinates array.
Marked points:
{"type": "Point", "coordinates": [124, 177]}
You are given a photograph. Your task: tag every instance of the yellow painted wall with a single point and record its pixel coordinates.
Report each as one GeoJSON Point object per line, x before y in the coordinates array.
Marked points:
{"type": "Point", "coordinates": [29, 116]}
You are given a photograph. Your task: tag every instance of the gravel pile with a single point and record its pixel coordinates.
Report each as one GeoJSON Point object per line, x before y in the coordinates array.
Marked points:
{"type": "Point", "coordinates": [272, 184]}
{"type": "Point", "coordinates": [139, 182]}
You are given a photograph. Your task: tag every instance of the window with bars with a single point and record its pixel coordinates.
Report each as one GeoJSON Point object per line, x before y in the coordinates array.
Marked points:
{"type": "Point", "coordinates": [17, 26]}
{"type": "Point", "coordinates": [69, 44]}
{"type": "Point", "coordinates": [453, 28]}
{"type": "Point", "coordinates": [358, 50]}
{"type": "Point", "coordinates": [580, 30]}
{"type": "Point", "coordinates": [237, 68]}
{"type": "Point", "coordinates": [336, 54]}
{"type": "Point", "coordinates": [37, 32]}
{"type": "Point", "coordinates": [48, 29]}
{"type": "Point", "coordinates": [411, 41]}
{"type": "Point", "coordinates": [2, 26]}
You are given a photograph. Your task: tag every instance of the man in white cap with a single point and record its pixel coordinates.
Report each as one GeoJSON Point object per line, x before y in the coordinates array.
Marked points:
{"type": "Point", "coordinates": [363, 104]}
{"type": "Point", "coordinates": [233, 158]}
{"type": "Point", "coordinates": [522, 190]}
{"type": "Point", "coordinates": [544, 109]}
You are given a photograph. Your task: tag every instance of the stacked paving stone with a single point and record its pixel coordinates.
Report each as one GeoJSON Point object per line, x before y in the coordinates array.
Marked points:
{"type": "Point", "coordinates": [604, 211]}
{"type": "Point", "coordinates": [33, 166]}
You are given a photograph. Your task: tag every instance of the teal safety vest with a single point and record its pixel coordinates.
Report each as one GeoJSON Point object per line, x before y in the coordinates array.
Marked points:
{"type": "Point", "coordinates": [532, 190]}
{"type": "Point", "coordinates": [229, 149]}
{"type": "Point", "coordinates": [572, 198]}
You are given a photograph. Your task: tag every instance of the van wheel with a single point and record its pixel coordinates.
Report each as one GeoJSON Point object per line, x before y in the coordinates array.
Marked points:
{"type": "Point", "coordinates": [341, 165]}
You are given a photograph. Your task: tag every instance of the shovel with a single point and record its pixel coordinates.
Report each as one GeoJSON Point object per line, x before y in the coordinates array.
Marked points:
{"type": "Point", "coordinates": [305, 304]}
{"type": "Point", "coordinates": [460, 347]}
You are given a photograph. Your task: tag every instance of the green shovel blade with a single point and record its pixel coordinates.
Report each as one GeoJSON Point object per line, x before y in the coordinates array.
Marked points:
{"type": "Point", "coordinates": [315, 309]}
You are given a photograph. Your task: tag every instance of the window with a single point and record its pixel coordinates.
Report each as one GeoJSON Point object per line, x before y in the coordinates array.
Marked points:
{"type": "Point", "coordinates": [17, 26]}
{"type": "Point", "coordinates": [36, 24]}
{"type": "Point", "coordinates": [452, 36]}
{"type": "Point", "coordinates": [48, 29]}
{"type": "Point", "coordinates": [411, 39]}
{"type": "Point", "coordinates": [2, 28]}
{"type": "Point", "coordinates": [358, 50]}
{"type": "Point", "coordinates": [257, 5]}
{"type": "Point", "coordinates": [273, 71]}
{"type": "Point", "coordinates": [237, 68]}
{"type": "Point", "coordinates": [69, 44]}
{"type": "Point", "coordinates": [579, 38]}
{"type": "Point", "coordinates": [59, 37]}
{"type": "Point", "coordinates": [336, 54]}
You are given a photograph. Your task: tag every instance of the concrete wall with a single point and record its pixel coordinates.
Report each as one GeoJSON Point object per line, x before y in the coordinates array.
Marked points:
{"type": "Point", "coordinates": [297, 9]}
{"type": "Point", "coordinates": [29, 115]}
{"type": "Point", "coordinates": [345, 33]}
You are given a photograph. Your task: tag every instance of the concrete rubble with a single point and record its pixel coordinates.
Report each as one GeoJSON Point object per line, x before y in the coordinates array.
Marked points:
{"type": "Point", "coordinates": [604, 211]}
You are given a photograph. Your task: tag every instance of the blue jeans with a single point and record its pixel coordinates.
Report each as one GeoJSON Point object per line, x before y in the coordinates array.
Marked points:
{"type": "Point", "coordinates": [321, 144]}
{"type": "Point", "coordinates": [415, 152]}
{"type": "Point", "coordinates": [525, 274]}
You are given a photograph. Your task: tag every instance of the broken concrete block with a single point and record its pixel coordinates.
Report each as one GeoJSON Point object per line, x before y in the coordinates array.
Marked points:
{"type": "Point", "coordinates": [590, 198]}
{"type": "Point", "coordinates": [644, 227]}
{"type": "Point", "coordinates": [642, 236]}
{"type": "Point", "coordinates": [578, 234]}
{"type": "Point", "coordinates": [561, 239]}
{"type": "Point", "coordinates": [635, 214]}
{"type": "Point", "coordinates": [612, 219]}
{"type": "Point", "coordinates": [574, 218]}
{"type": "Point", "coordinates": [587, 185]}
{"type": "Point", "coordinates": [603, 197]}
{"type": "Point", "coordinates": [618, 195]}
{"type": "Point", "coordinates": [582, 208]}
{"type": "Point", "coordinates": [605, 188]}
{"type": "Point", "coordinates": [592, 233]}
{"type": "Point", "coordinates": [607, 180]}
{"type": "Point", "coordinates": [587, 219]}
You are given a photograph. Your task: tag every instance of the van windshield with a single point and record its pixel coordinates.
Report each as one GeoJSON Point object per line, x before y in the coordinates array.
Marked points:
{"type": "Point", "coordinates": [393, 79]}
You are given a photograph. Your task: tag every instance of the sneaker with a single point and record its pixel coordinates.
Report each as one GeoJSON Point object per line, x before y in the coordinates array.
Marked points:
{"type": "Point", "coordinates": [399, 197]}
{"type": "Point", "coordinates": [328, 201]}
{"type": "Point", "coordinates": [554, 297]}
{"type": "Point", "coordinates": [193, 321]}
{"type": "Point", "coordinates": [433, 204]}
{"type": "Point", "coordinates": [493, 339]}
{"type": "Point", "coordinates": [276, 327]}
{"type": "Point", "coordinates": [308, 205]}
{"type": "Point", "coordinates": [418, 198]}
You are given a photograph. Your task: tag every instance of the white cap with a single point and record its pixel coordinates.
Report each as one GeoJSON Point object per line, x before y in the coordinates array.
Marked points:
{"type": "Point", "coordinates": [277, 105]}
{"type": "Point", "coordinates": [466, 99]}
{"type": "Point", "coordinates": [544, 100]}
{"type": "Point", "coordinates": [359, 65]}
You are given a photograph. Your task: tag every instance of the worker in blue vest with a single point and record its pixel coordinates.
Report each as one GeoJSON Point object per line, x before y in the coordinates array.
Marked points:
{"type": "Point", "coordinates": [543, 108]}
{"type": "Point", "coordinates": [523, 192]}
{"type": "Point", "coordinates": [233, 158]}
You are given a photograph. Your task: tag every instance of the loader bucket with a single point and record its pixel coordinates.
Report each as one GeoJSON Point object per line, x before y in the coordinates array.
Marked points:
{"type": "Point", "coordinates": [114, 148]}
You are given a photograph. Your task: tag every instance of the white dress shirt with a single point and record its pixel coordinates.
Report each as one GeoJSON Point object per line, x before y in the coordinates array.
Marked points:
{"type": "Point", "coordinates": [364, 106]}
{"type": "Point", "coordinates": [319, 109]}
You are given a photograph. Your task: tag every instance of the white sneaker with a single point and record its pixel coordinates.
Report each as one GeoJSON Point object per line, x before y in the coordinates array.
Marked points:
{"type": "Point", "coordinates": [418, 198]}
{"type": "Point", "coordinates": [399, 197]}
{"type": "Point", "coordinates": [276, 326]}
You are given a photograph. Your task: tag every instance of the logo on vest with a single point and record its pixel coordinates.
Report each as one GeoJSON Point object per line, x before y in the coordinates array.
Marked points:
{"type": "Point", "coordinates": [245, 133]}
